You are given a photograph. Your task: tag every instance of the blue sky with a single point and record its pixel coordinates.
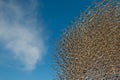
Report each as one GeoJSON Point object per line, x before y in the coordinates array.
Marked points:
{"type": "Point", "coordinates": [28, 31]}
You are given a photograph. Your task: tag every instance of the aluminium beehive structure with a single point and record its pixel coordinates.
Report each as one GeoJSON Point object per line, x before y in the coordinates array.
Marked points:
{"type": "Point", "coordinates": [90, 48]}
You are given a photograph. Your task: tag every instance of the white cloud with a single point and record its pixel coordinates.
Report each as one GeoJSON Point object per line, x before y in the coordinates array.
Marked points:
{"type": "Point", "coordinates": [18, 34]}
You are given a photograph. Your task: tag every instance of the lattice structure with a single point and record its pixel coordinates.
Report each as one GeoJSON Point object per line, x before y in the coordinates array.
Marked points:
{"type": "Point", "coordinates": [90, 48]}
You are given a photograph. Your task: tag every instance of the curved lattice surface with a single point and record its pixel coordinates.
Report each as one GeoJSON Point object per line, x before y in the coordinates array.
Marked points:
{"type": "Point", "coordinates": [90, 49]}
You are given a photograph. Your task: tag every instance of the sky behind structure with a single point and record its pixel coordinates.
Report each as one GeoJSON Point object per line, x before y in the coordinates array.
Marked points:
{"type": "Point", "coordinates": [28, 31]}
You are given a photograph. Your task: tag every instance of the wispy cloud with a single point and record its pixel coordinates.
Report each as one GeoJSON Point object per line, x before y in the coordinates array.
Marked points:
{"type": "Point", "coordinates": [18, 31]}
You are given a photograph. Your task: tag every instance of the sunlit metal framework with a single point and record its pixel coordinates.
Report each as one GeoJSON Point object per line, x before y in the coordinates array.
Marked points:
{"type": "Point", "coordinates": [90, 48]}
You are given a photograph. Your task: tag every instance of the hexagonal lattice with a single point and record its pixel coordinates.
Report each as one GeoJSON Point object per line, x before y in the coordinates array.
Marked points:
{"type": "Point", "coordinates": [90, 48]}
